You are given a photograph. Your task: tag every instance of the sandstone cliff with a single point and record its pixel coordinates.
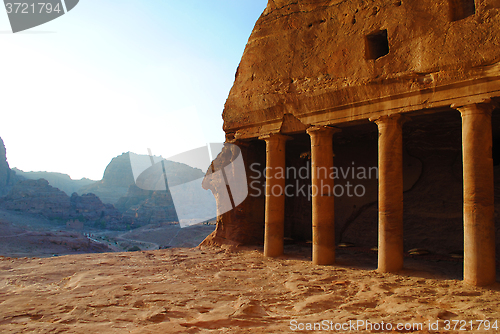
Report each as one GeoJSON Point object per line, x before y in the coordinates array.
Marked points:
{"type": "Point", "coordinates": [7, 177]}
{"type": "Point", "coordinates": [309, 58]}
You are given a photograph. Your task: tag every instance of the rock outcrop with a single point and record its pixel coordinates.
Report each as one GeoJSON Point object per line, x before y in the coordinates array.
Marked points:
{"type": "Point", "coordinates": [4, 166]}
{"type": "Point", "coordinates": [311, 56]}
{"type": "Point", "coordinates": [7, 177]}
{"type": "Point", "coordinates": [136, 206]}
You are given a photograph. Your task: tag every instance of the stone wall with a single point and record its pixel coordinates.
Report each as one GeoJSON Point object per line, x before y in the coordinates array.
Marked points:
{"type": "Point", "coordinates": [308, 56]}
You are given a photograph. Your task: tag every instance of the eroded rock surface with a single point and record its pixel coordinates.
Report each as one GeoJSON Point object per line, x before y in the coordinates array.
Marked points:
{"type": "Point", "coordinates": [306, 56]}
{"type": "Point", "coordinates": [309, 59]}
{"type": "Point", "coordinates": [38, 197]}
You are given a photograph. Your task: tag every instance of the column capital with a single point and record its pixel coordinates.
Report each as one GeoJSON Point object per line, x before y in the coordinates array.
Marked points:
{"type": "Point", "coordinates": [485, 107]}
{"type": "Point", "coordinates": [387, 119]}
{"type": "Point", "coordinates": [326, 130]}
{"type": "Point", "coordinates": [274, 137]}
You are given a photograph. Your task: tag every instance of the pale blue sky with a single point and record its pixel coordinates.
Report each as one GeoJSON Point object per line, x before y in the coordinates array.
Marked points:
{"type": "Point", "coordinates": [116, 76]}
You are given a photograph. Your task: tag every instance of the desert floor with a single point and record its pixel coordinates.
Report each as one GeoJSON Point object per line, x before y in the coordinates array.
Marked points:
{"type": "Point", "coordinates": [25, 235]}
{"type": "Point", "coordinates": [209, 290]}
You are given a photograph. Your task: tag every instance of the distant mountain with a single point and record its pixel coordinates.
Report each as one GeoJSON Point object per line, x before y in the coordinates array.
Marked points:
{"type": "Point", "coordinates": [7, 177]}
{"type": "Point", "coordinates": [58, 180]}
{"type": "Point", "coordinates": [156, 206]}
{"type": "Point", "coordinates": [55, 195]}
{"type": "Point", "coordinates": [118, 181]}
{"type": "Point", "coordinates": [115, 182]}
{"type": "Point", "coordinates": [147, 202]}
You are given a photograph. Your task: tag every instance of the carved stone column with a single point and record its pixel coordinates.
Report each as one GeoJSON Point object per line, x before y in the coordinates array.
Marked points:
{"type": "Point", "coordinates": [323, 214]}
{"type": "Point", "coordinates": [275, 194]}
{"type": "Point", "coordinates": [390, 193]}
{"type": "Point", "coordinates": [479, 211]}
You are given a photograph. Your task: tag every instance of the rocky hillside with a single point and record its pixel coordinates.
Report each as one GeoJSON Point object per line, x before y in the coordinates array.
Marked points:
{"type": "Point", "coordinates": [58, 180]}
{"type": "Point", "coordinates": [134, 197]}
{"type": "Point", "coordinates": [139, 204]}
{"type": "Point", "coordinates": [156, 208]}
{"type": "Point", "coordinates": [39, 198]}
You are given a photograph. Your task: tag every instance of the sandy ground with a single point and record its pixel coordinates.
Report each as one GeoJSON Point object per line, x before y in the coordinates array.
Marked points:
{"type": "Point", "coordinates": [235, 291]}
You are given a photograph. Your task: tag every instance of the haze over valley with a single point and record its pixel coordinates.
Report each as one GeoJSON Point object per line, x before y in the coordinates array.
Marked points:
{"type": "Point", "coordinates": [46, 214]}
